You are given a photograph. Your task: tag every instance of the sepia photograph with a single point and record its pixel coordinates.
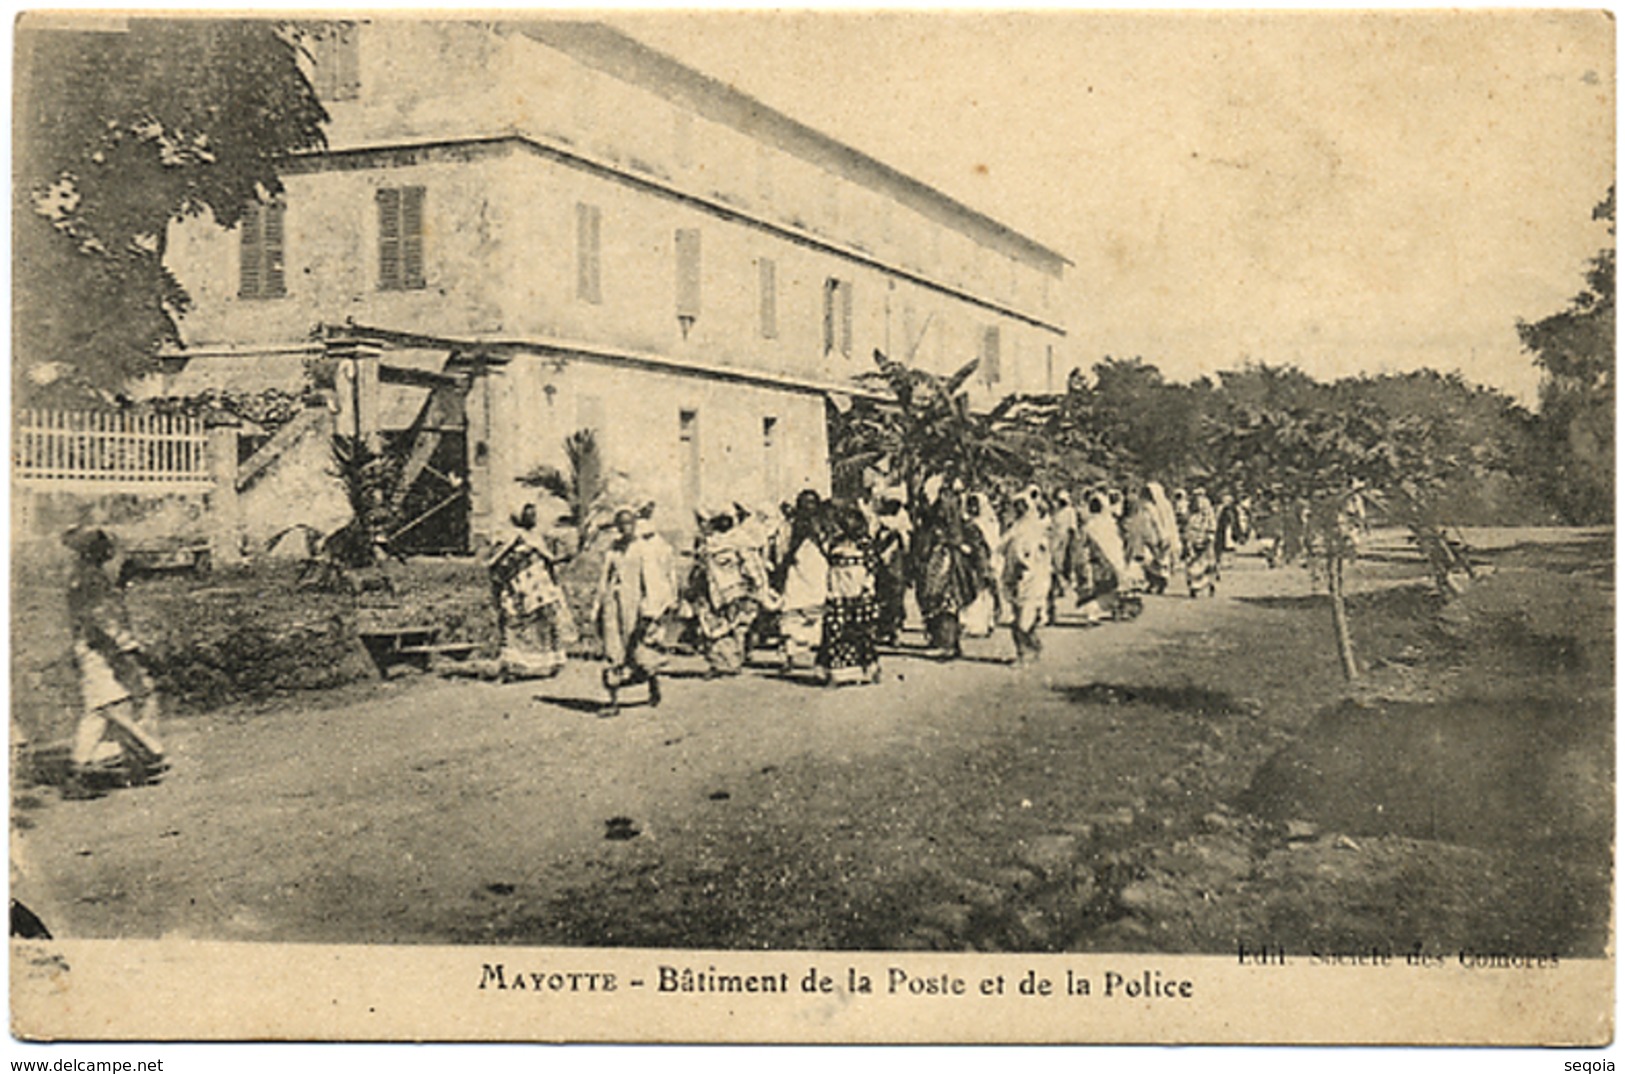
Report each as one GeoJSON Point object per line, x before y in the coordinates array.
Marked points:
{"type": "Point", "coordinates": [813, 526]}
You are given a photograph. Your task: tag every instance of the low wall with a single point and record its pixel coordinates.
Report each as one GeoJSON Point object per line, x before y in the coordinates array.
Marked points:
{"type": "Point", "coordinates": [293, 481]}
{"type": "Point", "coordinates": [157, 517]}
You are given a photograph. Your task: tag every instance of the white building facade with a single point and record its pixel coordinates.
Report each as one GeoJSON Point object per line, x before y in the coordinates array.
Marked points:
{"type": "Point", "coordinates": [609, 240]}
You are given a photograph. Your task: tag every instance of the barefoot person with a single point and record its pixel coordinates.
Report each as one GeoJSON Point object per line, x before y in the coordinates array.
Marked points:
{"type": "Point", "coordinates": [119, 722]}
{"type": "Point", "coordinates": [635, 590]}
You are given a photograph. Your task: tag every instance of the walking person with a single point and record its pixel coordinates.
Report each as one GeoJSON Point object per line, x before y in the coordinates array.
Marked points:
{"type": "Point", "coordinates": [1160, 532]}
{"type": "Point", "coordinates": [1103, 548]}
{"type": "Point", "coordinates": [802, 579]}
{"type": "Point", "coordinates": [729, 580]}
{"type": "Point", "coordinates": [946, 584]}
{"type": "Point", "coordinates": [889, 547]}
{"type": "Point", "coordinates": [1199, 536]}
{"type": "Point", "coordinates": [635, 592]}
{"type": "Point", "coordinates": [981, 531]}
{"type": "Point", "coordinates": [987, 606]}
{"type": "Point", "coordinates": [533, 617]}
{"type": "Point", "coordinates": [846, 650]}
{"type": "Point", "coordinates": [118, 726]}
{"type": "Point", "coordinates": [1227, 535]}
{"type": "Point", "coordinates": [1064, 550]}
{"type": "Point", "coordinates": [1027, 567]}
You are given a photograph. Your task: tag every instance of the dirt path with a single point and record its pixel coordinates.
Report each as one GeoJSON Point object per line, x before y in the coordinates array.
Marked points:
{"type": "Point", "coordinates": [769, 813]}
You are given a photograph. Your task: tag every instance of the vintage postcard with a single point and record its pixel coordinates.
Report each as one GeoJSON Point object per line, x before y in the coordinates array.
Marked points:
{"type": "Point", "coordinates": [1000, 526]}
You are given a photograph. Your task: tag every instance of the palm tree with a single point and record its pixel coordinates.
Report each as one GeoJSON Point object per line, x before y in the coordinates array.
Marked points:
{"type": "Point", "coordinates": [582, 486]}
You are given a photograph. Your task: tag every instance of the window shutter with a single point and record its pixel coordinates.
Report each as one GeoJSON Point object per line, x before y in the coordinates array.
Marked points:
{"type": "Point", "coordinates": [688, 272]}
{"type": "Point", "coordinates": [412, 237]}
{"type": "Point", "coordinates": [275, 281]}
{"type": "Point", "coordinates": [250, 257]}
{"type": "Point", "coordinates": [389, 239]}
{"type": "Point", "coordinates": [846, 317]}
{"type": "Point", "coordinates": [830, 289]}
{"type": "Point", "coordinates": [322, 73]}
{"type": "Point", "coordinates": [347, 77]}
{"type": "Point", "coordinates": [990, 355]}
{"type": "Point", "coordinates": [768, 284]}
{"type": "Point", "coordinates": [588, 278]}
{"type": "Point", "coordinates": [336, 62]}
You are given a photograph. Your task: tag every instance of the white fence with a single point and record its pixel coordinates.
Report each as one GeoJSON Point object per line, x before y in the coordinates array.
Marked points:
{"type": "Point", "coordinates": [110, 451]}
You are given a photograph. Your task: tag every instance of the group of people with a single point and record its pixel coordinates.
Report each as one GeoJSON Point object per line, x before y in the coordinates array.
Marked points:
{"type": "Point", "coordinates": [825, 582]}
{"type": "Point", "coordinates": [982, 562]}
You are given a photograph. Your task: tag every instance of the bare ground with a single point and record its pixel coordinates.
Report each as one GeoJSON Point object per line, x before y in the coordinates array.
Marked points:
{"type": "Point", "coordinates": [1183, 782]}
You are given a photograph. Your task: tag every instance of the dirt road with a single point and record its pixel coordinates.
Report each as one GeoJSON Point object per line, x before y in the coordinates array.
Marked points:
{"type": "Point", "coordinates": [933, 809]}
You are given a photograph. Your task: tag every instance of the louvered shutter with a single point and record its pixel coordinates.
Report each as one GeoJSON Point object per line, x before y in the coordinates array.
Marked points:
{"type": "Point", "coordinates": [846, 317]}
{"type": "Point", "coordinates": [347, 77]}
{"type": "Point", "coordinates": [389, 239]}
{"type": "Point", "coordinates": [412, 237]}
{"type": "Point", "coordinates": [768, 283]}
{"type": "Point", "coordinates": [275, 276]}
{"type": "Point", "coordinates": [989, 370]}
{"type": "Point", "coordinates": [688, 272]}
{"type": "Point", "coordinates": [832, 290]}
{"type": "Point", "coordinates": [588, 279]}
{"type": "Point", "coordinates": [250, 258]}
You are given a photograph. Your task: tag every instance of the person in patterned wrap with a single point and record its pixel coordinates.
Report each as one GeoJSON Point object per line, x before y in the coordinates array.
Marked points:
{"type": "Point", "coordinates": [728, 583]}
{"type": "Point", "coordinates": [533, 617]}
{"type": "Point", "coordinates": [846, 650]}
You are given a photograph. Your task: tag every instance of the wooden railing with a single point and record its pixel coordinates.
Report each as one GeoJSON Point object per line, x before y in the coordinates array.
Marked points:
{"type": "Point", "coordinates": [109, 450]}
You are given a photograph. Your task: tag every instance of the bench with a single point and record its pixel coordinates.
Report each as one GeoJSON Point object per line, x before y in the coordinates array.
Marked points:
{"type": "Point", "coordinates": [414, 646]}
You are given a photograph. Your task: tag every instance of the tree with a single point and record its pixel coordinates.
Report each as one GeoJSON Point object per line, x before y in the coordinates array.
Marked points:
{"type": "Point", "coordinates": [923, 426]}
{"type": "Point", "coordinates": [119, 133]}
{"type": "Point", "coordinates": [1127, 422]}
{"type": "Point", "coordinates": [1483, 436]}
{"type": "Point", "coordinates": [1575, 349]}
{"type": "Point", "coordinates": [1061, 435]}
{"type": "Point", "coordinates": [370, 479]}
{"type": "Point", "coordinates": [1332, 458]}
{"type": "Point", "coordinates": [582, 485]}
{"type": "Point", "coordinates": [1154, 426]}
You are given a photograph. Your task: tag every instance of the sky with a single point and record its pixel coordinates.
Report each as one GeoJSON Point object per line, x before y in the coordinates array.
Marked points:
{"type": "Point", "coordinates": [1342, 191]}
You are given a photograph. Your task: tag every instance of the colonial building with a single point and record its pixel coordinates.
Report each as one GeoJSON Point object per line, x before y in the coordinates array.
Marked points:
{"type": "Point", "coordinates": [564, 229]}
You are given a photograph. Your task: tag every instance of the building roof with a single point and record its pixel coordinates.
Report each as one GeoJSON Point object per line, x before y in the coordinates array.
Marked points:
{"type": "Point", "coordinates": [613, 52]}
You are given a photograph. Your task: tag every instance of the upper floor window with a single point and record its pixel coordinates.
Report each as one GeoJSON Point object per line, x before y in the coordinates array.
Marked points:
{"type": "Point", "coordinates": [688, 277]}
{"type": "Point", "coordinates": [989, 371]}
{"type": "Point", "coordinates": [682, 136]}
{"type": "Point", "coordinates": [400, 238]}
{"type": "Point", "coordinates": [832, 202]}
{"type": "Point", "coordinates": [838, 317]}
{"type": "Point", "coordinates": [767, 284]}
{"type": "Point", "coordinates": [336, 67]}
{"type": "Point", "coordinates": [589, 280]}
{"type": "Point", "coordinates": [261, 264]}
{"type": "Point", "coordinates": [764, 175]}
